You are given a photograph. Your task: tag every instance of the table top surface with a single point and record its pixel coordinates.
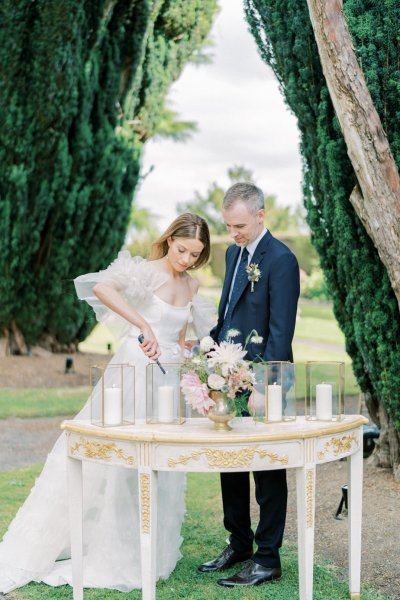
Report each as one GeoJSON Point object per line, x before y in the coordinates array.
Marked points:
{"type": "Point", "coordinates": [200, 430]}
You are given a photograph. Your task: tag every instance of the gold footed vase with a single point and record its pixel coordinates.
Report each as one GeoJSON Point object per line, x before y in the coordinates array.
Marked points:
{"type": "Point", "coordinates": [223, 411]}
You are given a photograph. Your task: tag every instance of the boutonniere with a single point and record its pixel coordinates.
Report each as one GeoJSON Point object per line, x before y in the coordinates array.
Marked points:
{"type": "Point", "coordinates": [253, 274]}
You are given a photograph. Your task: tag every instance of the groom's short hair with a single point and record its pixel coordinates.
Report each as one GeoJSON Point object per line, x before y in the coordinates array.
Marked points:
{"type": "Point", "coordinates": [248, 193]}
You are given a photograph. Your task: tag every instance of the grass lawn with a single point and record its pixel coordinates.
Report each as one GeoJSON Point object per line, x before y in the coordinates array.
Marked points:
{"type": "Point", "coordinates": [38, 402]}
{"type": "Point", "coordinates": [316, 322]}
{"type": "Point", "coordinates": [203, 538]}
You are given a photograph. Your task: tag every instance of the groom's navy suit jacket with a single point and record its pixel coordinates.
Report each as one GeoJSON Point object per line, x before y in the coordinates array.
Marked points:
{"type": "Point", "coordinates": [271, 308]}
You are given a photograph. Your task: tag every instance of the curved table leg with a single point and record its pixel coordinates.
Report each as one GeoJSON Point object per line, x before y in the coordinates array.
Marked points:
{"type": "Point", "coordinates": [148, 531]}
{"type": "Point", "coordinates": [355, 477]}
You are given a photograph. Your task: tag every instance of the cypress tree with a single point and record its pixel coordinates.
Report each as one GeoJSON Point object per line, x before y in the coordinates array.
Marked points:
{"type": "Point", "coordinates": [82, 87]}
{"type": "Point", "coordinates": [363, 300]}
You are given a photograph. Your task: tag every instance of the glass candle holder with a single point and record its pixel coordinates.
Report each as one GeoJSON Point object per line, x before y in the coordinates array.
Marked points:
{"type": "Point", "coordinates": [324, 390]}
{"type": "Point", "coordinates": [163, 394]}
{"type": "Point", "coordinates": [274, 396]}
{"type": "Point", "coordinates": [112, 401]}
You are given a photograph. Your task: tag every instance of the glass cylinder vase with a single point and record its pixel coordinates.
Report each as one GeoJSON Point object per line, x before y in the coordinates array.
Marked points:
{"type": "Point", "coordinates": [274, 396]}
{"type": "Point", "coordinates": [163, 394]}
{"type": "Point", "coordinates": [112, 401]}
{"type": "Point", "coordinates": [324, 390]}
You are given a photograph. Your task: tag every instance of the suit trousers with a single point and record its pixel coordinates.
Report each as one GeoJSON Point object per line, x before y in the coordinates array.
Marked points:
{"type": "Point", "coordinates": [271, 496]}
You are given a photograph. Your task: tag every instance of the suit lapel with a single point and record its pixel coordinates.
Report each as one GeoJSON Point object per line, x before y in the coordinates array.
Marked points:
{"type": "Point", "coordinates": [228, 279]}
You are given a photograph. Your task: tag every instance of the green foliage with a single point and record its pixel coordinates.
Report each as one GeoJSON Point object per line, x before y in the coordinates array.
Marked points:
{"type": "Point", "coordinates": [170, 127]}
{"type": "Point", "coordinates": [83, 86]}
{"type": "Point", "coordinates": [300, 245]}
{"type": "Point", "coordinates": [143, 231]}
{"type": "Point", "coordinates": [143, 220]}
{"type": "Point", "coordinates": [364, 303]}
{"type": "Point", "coordinates": [314, 286]}
{"type": "Point", "coordinates": [209, 207]}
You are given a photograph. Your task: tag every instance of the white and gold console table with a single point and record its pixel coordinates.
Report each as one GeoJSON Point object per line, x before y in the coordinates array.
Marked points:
{"type": "Point", "coordinates": [195, 446]}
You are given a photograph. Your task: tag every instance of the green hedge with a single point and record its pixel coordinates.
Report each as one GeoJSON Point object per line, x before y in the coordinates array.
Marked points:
{"type": "Point", "coordinates": [364, 303]}
{"type": "Point", "coordinates": [83, 87]}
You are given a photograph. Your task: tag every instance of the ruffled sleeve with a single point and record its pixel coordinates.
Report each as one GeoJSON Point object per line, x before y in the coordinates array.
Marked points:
{"type": "Point", "coordinates": [203, 315]}
{"type": "Point", "coordinates": [130, 275]}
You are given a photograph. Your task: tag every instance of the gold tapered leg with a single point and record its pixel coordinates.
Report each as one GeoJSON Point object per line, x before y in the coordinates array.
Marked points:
{"type": "Point", "coordinates": [355, 596]}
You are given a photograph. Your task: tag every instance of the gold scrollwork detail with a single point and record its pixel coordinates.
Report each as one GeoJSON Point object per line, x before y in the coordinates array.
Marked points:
{"type": "Point", "coordinates": [338, 445]}
{"type": "Point", "coordinates": [145, 502]}
{"type": "Point", "coordinates": [101, 450]}
{"type": "Point", "coordinates": [310, 497]}
{"type": "Point", "coordinates": [228, 458]}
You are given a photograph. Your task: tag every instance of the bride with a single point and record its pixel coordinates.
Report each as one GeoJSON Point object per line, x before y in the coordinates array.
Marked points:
{"type": "Point", "coordinates": [158, 298]}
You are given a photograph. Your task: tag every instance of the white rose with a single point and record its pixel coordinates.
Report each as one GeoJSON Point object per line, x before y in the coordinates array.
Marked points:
{"type": "Point", "coordinates": [215, 382]}
{"type": "Point", "coordinates": [206, 343]}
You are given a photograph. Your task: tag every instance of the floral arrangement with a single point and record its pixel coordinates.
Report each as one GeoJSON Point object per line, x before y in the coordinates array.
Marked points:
{"type": "Point", "coordinates": [218, 367]}
{"type": "Point", "coordinates": [253, 274]}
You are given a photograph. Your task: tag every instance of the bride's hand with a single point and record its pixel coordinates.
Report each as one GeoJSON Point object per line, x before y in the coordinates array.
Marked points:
{"type": "Point", "coordinates": [150, 345]}
{"type": "Point", "coordinates": [190, 343]}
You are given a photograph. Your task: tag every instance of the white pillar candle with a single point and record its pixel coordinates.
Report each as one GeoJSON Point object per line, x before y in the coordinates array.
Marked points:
{"type": "Point", "coordinates": [323, 401]}
{"type": "Point", "coordinates": [112, 406]}
{"type": "Point", "coordinates": [275, 402]}
{"type": "Point", "coordinates": [166, 403]}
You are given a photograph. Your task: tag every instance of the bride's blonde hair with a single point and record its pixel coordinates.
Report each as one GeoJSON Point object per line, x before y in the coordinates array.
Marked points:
{"type": "Point", "coordinates": [187, 225]}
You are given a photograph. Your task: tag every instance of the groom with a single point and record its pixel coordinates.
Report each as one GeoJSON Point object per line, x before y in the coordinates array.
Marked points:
{"type": "Point", "coordinates": [267, 303]}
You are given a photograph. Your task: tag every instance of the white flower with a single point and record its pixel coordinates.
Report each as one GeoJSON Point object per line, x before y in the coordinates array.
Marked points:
{"type": "Point", "coordinates": [206, 343]}
{"type": "Point", "coordinates": [253, 274]}
{"type": "Point", "coordinates": [233, 333]}
{"type": "Point", "coordinates": [225, 370]}
{"type": "Point", "coordinates": [256, 339]}
{"type": "Point", "coordinates": [226, 355]}
{"type": "Point", "coordinates": [215, 382]}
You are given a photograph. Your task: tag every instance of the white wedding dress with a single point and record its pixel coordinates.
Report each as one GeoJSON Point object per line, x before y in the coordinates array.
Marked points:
{"type": "Point", "coordinates": [36, 545]}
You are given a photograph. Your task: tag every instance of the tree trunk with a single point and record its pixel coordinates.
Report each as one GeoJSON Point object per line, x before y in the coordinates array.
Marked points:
{"type": "Point", "coordinates": [12, 341]}
{"type": "Point", "coordinates": [387, 448]}
{"type": "Point", "coordinates": [4, 344]}
{"type": "Point", "coordinates": [378, 203]}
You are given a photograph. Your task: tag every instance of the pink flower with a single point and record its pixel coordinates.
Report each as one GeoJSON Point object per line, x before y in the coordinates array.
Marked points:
{"type": "Point", "coordinates": [196, 393]}
{"type": "Point", "coordinates": [190, 378]}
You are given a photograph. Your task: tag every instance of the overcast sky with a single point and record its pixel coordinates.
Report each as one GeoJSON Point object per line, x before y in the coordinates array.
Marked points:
{"type": "Point", "coordinates": [241, 119]}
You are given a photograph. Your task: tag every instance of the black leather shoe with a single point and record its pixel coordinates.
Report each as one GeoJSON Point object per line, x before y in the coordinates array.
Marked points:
{"type": "Point", "coordinates": [251, 574]}
{"type": "Point", "coordinates": [226, 559]}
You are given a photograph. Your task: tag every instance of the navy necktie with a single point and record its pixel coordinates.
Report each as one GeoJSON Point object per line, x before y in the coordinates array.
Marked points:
{"type": "Point", "coordinates": [240, 277]}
